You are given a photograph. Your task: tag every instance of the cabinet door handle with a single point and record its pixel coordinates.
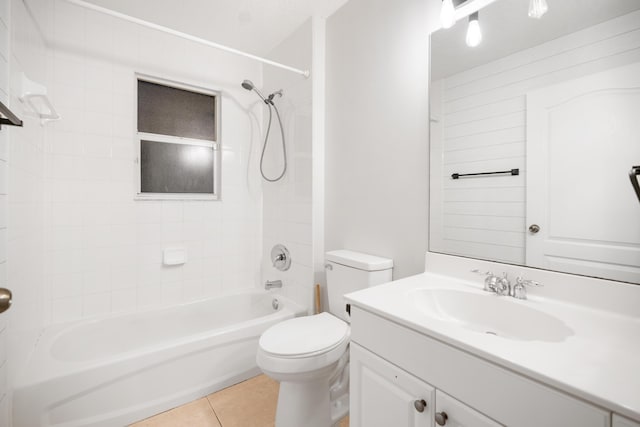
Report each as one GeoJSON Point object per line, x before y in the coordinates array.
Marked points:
{"type": "Point", "coordinates": [441, 418]}
{"type": "Point", "coordinates": [420, 405]}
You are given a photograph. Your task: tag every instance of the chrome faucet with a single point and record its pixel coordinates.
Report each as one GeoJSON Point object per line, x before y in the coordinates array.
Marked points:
{"type": "Point", "coordinates": [270, 284]}
{"type": "Point", "coordinates": [502, 286]}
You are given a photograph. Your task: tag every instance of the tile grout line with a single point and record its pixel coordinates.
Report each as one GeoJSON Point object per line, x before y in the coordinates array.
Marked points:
{"type": "Point", "coordinates": [213, 410]}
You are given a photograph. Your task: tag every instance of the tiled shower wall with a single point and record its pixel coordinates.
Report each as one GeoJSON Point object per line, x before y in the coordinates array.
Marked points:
{"type": "Point", "coordinates": [287, 203]}
{"type": "Point", "coordinates": [103, 249]}
{"type": "Point", "coordinates": [22, 188]}
{"type": "Point", "coordinates": [4, 97]}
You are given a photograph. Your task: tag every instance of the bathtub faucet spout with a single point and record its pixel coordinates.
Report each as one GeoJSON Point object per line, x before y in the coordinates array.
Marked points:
{"type": "Point", "coordinates": [270, 284]}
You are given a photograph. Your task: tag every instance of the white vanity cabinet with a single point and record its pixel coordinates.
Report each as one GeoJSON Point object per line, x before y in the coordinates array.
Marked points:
{"type": "Point", "coordinates": [392, 366]}
{"type": "Point", "coordinates": [384, 395]}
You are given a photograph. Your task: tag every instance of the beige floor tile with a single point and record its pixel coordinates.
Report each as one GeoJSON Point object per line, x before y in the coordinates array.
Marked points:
{"type": "Point", "coordinates": [194, 414]}
{"type": "Point", "coordinates": [251, 403]}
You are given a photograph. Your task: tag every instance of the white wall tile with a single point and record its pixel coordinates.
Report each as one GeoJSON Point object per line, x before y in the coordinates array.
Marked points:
{"type": "Point", "coordinates": [96, 304]}
{"type": "Point", "coordinates": [192, 290]}
{"type": "Point", "coordinates": [193, 211]}
{"type": "Point", "coordinates": [171, 293]}
{"type": "Point", "coordinates": [172, 232]}
{"type": "Point", "coordinates": [66, 309]}
{"type": "Point", "coordinates": [149, 296]}
{"type": "Point", "coordinates": [124, 300]}
{"type": "Point", "coordinates": [96, 281]}
{"type": "Point", "coordinates": [66, 285]}
{"type": "Point", "coordinates": [172, 212]}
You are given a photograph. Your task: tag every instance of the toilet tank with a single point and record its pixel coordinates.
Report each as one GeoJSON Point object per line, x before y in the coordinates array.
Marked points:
{"type": "Point", "coordinates": [349, 271]}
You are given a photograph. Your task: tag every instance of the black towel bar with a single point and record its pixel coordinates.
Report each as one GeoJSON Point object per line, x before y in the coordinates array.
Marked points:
{"type": "Point", "coordinates": [511, 172]}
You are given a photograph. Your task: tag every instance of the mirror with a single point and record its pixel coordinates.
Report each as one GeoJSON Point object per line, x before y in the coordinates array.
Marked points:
{"type": "Point", "coordinates": [534, 134]}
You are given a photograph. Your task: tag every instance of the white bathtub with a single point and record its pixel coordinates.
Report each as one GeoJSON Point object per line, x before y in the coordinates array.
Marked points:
{"type": "Point", "coordinates": [114, 371]}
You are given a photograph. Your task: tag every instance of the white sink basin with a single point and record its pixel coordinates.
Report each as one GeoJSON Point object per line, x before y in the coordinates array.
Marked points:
{"type": "Point", "coordinates": [489, 314]}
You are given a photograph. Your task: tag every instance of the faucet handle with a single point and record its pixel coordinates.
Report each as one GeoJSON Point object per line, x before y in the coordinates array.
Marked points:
{"type": "Point", "coordinates": [519, 290]}
{"type": "Point", "coordinates": [522, 281]}
{"type": "Point", "coordinates": [489, 282]}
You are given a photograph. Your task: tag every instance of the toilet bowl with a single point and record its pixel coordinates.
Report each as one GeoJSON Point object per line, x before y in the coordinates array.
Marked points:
{"type": "Point", "coordinates": [309, 355]}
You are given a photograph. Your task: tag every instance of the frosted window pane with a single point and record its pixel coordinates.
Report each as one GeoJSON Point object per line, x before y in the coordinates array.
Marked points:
{"type": "Point", "coordinates": [175, 168]}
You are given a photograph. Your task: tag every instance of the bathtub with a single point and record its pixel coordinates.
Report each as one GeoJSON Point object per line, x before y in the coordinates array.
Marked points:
{"type": "Point", "coordinates": [117, 370]}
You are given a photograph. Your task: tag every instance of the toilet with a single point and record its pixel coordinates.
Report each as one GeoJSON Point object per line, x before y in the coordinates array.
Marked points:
{"type": "Point", "coordinates": [309, 355]}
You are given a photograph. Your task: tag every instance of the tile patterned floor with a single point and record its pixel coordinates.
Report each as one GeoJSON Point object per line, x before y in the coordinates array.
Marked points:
{"type": "Point", "coordinates": [251, 403]}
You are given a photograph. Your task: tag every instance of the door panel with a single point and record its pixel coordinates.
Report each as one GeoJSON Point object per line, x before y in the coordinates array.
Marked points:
{"type": "Point", "coordinates": [583, 137]}
{"type": "Point", "coordinates": [459, 414]}
{"type": "Point", "coordinates": [383, 395]}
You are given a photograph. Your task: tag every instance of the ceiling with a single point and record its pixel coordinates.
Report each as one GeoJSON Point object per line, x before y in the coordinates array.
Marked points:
{"type": "Point", "coordinates": [507, 29]}
{"type": "Point", "coordinates": [254, 26]}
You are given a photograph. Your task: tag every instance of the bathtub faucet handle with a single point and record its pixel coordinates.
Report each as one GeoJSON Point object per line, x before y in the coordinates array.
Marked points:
{"type": "Point", "coordinates": [280, 257]}
{"type": "Point", "coordinates": [271, 284]}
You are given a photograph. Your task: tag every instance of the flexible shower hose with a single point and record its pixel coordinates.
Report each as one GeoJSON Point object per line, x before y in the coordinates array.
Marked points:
{"type": "Point", "coordinates": [266, 140]}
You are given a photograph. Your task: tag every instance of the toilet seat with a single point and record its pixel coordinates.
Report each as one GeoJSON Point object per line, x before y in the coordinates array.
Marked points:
{"type": "Point", "coordinates": [304, 336]}
{"type": "Point", "coordinates": [303, 344]}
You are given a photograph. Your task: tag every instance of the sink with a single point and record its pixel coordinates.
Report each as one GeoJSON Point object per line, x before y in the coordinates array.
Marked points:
{"type": "Point", "coordinates": [487, 313]}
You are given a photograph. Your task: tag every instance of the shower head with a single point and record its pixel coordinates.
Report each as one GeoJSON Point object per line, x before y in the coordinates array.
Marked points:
{"type": "Point", "coordinates": [248, 85]}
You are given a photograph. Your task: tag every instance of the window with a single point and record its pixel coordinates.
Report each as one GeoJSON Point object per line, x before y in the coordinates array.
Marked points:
{"type": "Point", "coordinates": [178, 141]}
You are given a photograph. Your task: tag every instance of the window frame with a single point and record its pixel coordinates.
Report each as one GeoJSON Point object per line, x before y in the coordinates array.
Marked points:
{"type": "Point", "coordinates": [215, 145]}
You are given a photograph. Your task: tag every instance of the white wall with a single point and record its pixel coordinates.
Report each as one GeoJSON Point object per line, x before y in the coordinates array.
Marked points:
{"type": "Point", "coordinates": [377, 129]}
{"type": "Point", "coordinates": [103, 249]}
{"type": "Point", "coordinates": [287, 203]}
{"type": "Point", "coordinates": [481, 127]}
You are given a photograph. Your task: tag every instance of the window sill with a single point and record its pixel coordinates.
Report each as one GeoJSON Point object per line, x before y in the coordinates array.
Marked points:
{"type": "Point", "coordinates": [176, 197]}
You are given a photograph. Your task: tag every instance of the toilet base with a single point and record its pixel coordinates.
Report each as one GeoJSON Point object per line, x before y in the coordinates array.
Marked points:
{"type": "Point", "coordinates": [307, 404]}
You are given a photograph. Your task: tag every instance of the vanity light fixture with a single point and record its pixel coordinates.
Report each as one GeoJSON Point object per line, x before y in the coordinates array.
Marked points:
{"type": "Point", "coordinates": [537, 8]}
{"type": "Point", "coordinates": [474, 34]}
{"type": "Point", "coordinates": [447, 14]}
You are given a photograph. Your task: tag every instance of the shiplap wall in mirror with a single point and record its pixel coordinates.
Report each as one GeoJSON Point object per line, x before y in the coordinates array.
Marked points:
{"type": "Point", "coordinates": [558, 99]}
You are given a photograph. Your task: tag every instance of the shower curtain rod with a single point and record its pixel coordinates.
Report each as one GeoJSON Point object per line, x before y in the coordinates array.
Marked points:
{"type": "Point", "coordinates": [185, 36]}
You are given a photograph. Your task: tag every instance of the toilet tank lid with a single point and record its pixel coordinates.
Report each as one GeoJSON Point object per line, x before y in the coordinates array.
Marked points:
{"type": "Point", "coordinates": [359, 260]}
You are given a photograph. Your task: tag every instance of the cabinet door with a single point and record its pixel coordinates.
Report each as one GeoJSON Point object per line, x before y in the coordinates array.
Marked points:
{"type": "Point", "coordinates": [452, 413]}
{"type": "Point", "coordinates": [384, 395]}
{"type": "Point", "coordinates": [619, 421]}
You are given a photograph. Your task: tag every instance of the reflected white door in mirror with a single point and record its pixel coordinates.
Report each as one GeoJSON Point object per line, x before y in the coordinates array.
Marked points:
{"type": "Point", "coordinates": [558, 99]}
{"type": "Point", "coordinates": [581, 137]}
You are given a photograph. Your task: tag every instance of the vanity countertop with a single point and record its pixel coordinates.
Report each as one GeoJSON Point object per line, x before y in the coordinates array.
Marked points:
{"type": "Point", "coordinates": [598, 360]}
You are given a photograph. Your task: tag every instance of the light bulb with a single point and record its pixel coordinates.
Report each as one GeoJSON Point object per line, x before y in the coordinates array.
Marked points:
{"type": "Point", "coordinates": [447, 14]}
{"type": "Point", "coordinates": [537, 8]}
{"type": "Point", "coordinates": [474, 34]}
